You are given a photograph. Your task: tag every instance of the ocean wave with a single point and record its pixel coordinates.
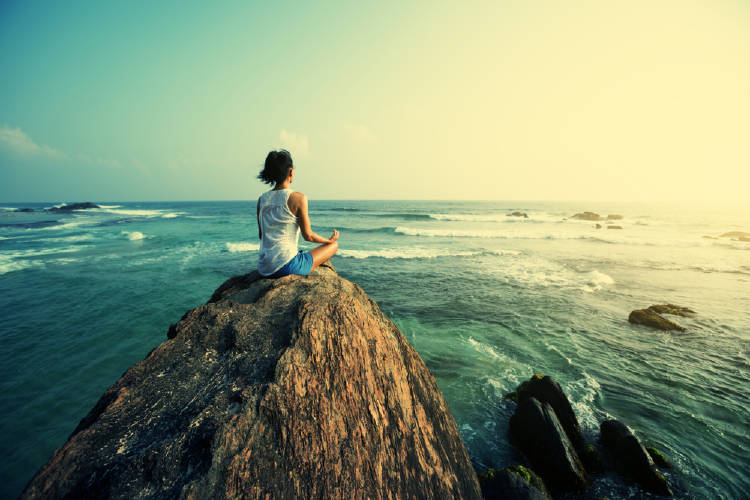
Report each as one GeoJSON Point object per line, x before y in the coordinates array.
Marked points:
{"type": "Point", "coordinates": [136, 213]}
{"type": "Point", "coordinates": [75, 237]}
{"type": "Point", "coordinates": [18, 260]}
{"type": "Point", "coordinates": [242, 247]}
{"type": "Point", "coordinates": [487, 234]}
{"type": "Point", "coordinates": [419, 253]}
{"type": "Point", "coordinates": [133, 235]}
{"type": "Point", "coordinates": [596, 280]}
{"type": "Point", "coordinates": [110, 206]}
{"type": "Point", "coordinates": [33, 225]}
{"type": "Point", "coordinates": [172, 215]}
{"type": "Point", "coordinates": [70, 224]}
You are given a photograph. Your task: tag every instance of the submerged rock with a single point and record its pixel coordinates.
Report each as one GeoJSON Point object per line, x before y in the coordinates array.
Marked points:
{"type": "Point", "coordinates": [74, 206]}
{"type": "Point", "coordinates": [598, 226]}
{"type": "Point", "coordinates": [591, 459]}
{"type": "Point", "coordinates": [25, 209]}
{"type": "Point", "coordinates": [587, 216]}
{"type": "Point", "coordinates": [614, 227]}
{"type": "Point", "coordinates": [628, 451]}
{"type": "Point", "coordinates": [649, 317]}
{"type": "Point", "coordinates": [735, 234]}
{"type": "Point", "coordinates": [298, 387]}
{"type": "Point", "coordinates": [512, 483]}
{"type": "Point", "coordinates": [519, 214]}
{"type": "Point", "coordinates": [535, 428]}
{"type": "Point", "coordinates": [615, 217]}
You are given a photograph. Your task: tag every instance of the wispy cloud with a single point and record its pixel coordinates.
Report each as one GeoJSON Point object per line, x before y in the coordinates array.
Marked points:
{"type": "Point", "coordinates": [297, 144]}
{"type": "Point", "coordinates": [359, 134]}
{"type": "Point", "coordinates": [16, 142]}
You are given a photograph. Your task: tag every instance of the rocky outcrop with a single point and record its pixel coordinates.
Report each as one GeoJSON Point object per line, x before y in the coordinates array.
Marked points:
{"type": "Point", "coordinates": [587, 216]}
{"type": "Point", "coordinates": [291, 388]}
{"type": "Point", "coordinates": [630, 453]}
{"type": "Point", "coordinates": [519, 214]}
{"type": "Point", "coordinates": [512, 483]}
{"type": "Point", "coordinates": [25, 209]}
{"type": "Point", "coordinates": [652, 316]}
{"type": "Point", "coordinates": [547, 390]}
{"type": "Point", "coordinates": [614, 227]}
{"type": "Point", "coordinates": [536, 430]}
{"type": "Point", "coordinates": [615, 217]}
{"type": "Point", "coordinates": [735, 234]}
{"type": "Point", "coordinates": [74, 206]}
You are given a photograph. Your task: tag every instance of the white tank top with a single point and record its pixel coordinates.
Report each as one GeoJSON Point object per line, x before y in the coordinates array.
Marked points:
{"type": "Point", "coordinates": [279, 231]}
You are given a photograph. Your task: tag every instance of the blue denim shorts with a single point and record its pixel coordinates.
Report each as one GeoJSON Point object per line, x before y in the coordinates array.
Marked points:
{"type": "Point", "coordinates": [300, 264]}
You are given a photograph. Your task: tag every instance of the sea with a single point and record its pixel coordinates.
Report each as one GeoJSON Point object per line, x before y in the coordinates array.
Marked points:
{"type": "Point", "coordinates": [486, 298]}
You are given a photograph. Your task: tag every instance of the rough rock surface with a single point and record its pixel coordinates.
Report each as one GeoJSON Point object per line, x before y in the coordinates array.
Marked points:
{"type": "Point", "coordinates": [519, 214]}
{"type": "Point", "coordinates": [291, 388]}
{"type": "Point", "coordinates": [629, 451]}
{"type": "Point", "coordinates": [672, 309]}
{"type": "Point", "coordinates": [536, 430]}
{"type": "Point", "coordinates": [547, 390]}
{"type": "Point", "coordinates": [512, 483]}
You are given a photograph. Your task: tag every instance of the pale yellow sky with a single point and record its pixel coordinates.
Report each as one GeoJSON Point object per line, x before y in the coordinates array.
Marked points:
{"type": "Point", "coordinates": [536, 100]}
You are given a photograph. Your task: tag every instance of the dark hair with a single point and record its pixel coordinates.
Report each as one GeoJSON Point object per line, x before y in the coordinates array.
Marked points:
{"type": "Point", "coordinates": [277, 166]}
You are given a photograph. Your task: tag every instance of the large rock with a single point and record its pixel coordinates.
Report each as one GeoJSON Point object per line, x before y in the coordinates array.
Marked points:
{"type": "Point", "coordinates": [587, 216]}
{"type": "Point", "coordinates": [512, 483]}
{"type": "Point", "coordinates": [291, 388]}
{"type": "Point", "coordinates": [74, 206]}
{"type": "Point", "coordinates": [536, 430]}
{"type": "Point", "coordinates": [629, 451]}
{"type": "Point", "coordinates": [547, 390]}
{"type": "Point", "coordinates": [735, 234]}
{"type": "Point", "coordinates": [649, 317]}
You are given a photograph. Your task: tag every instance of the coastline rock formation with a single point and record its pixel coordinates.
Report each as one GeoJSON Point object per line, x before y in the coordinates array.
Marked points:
{"type": "Point", "coordinates": [519, 214]}
{"type": "Point", "coordinates": [512, 483]}
{"type": "Point", "coordinates": [652, 316]}
{"type": "Point", "coordinates": [73, 206]}
{"type": "Point", "coordinates": [587, 216]}
{"type": "Point", "coordinates": [637, 462]}
{"type": "Point", "coordinates": [298, 387]}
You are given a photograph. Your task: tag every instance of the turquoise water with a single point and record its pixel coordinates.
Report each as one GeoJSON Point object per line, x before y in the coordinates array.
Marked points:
{"type": "Point", "coordinates": [486, 299]}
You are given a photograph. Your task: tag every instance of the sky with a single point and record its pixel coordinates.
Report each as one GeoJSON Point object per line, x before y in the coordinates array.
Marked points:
{"type": "Point", "coordinates": [507, 100]}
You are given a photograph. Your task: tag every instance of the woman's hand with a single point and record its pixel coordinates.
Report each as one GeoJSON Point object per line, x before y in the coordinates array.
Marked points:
{"type": "Point", "coordinates": [334, 236]}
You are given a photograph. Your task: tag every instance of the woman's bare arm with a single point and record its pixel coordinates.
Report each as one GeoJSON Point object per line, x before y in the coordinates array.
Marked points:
{"type": "Point", "coordinates": [303, 220]}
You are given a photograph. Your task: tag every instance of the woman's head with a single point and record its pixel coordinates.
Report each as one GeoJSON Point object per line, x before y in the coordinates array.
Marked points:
{"type": "Point", "coordinates": [277, 167]}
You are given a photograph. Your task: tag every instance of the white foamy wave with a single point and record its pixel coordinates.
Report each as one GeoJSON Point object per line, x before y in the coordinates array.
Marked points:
{"type": "Point", "coordinates": [110, 206]}
{"type": "Point", "coordinates": [504, 252]}
{"type": "Point", "coordinates": [8, 208]}
{"type": "Point", "coordinates": [172, 215]}
{"type": "Point", "coordinates": [486, 349]}
{"type": "Point", "coordinates": [23, 259]}
{"type": "Point", "coordinates": [447, 233]}
{"type": "Point", "coordinates": [582, 394]}
{"type": "Point", "coordinates": [595, 280]}
{"type": "Point", "coordinates": [242, 247]}
{"type": "Point", "coordinates": [470, 217]}
{"type": "Point", "coordinates": [134, 213]}
{"type": "Point", "coordinates": [133, 235]}
{"type": "Point", "coordinates": [405, 253]}
{"type": "Point", "coordinates": [77, 237]}
{"type": "Point", "coordinates": [71, 224]}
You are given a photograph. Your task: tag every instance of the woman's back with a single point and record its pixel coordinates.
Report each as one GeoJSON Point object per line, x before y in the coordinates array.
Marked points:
{"type": "Point", "coordinates": [279, 231]}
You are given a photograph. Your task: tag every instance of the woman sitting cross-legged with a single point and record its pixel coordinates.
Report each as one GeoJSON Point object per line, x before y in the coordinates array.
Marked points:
{"type": "Point", "coordinates": [282, 215]}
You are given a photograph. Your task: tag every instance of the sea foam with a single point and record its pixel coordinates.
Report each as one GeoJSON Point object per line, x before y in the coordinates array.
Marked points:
{"type": "Point", "coordinates": [242, 247]}
{"type": "Point", "coordinates": [134, 235]}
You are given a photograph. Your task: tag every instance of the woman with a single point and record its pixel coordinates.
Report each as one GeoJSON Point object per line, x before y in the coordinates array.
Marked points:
{"type": "Point", "coordinates": [282, 214]}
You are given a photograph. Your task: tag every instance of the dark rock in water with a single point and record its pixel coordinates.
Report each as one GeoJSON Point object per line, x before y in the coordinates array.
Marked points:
{"type": "Point", "coordinates": [519, 214]}
{"type": "Point", "coordinates": [24, 210]}
{"type": "Point", "coordinates": [672, 309]}
{"type": "Point", "coordinates": [735, 234]}
{"type": "Point", "coordinates": [651, 318]}
{"type": "Point", "coordinates": [598, 226]}
{"type": "Point", "coordinates": [298, 387]}
{"type": "Point", "coordinates": [74, 206]}
{"type": "Point", "coordinates": [614, 227]}
{"type": "Point", "coordinates": [628, 450]}
{"type": "Point", "coordinates": [587, 216]}
{"type": "Point", "coordinates": [534, 427]}
{"type": "Point", "coordinates": [512, 483]}
{"type": "Point", "coordinates": [614, 217]}
{"type": "Point", "coordinates": [744, 238]}
{"type": "Point", "coordinates": [658, 458]}
{"type": "Point", "coordinates": [591, 459]}
{"type": "Point", "coordinates": [547, 390]}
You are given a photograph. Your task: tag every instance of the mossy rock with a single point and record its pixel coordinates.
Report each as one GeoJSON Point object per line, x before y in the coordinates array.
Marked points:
{"type": "Point", "coordinates": [528, 475]}
{"type": "Point", "coordinates": [487, 476]}
{"type": "Point", "coordinates": [658, 458]}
